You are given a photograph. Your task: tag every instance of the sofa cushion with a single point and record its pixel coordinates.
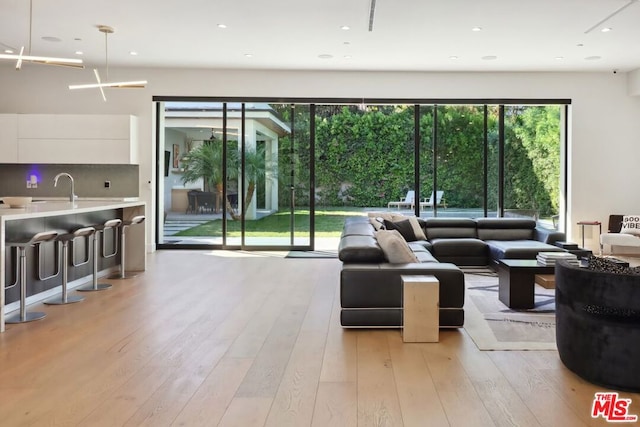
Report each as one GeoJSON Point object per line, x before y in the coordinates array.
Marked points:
{"type": "Point", "coordinates": [360, 249]}
{"type": "Point", "coordinates": [420, 244]}
{"type": "Point", "coordinates": [459, 247]}
{"type": "Point", "coordinates": [425, 256]}
{"type": "Point", "coordinates": [358, 229]}
{"type": "Point", "coordinates": [409, 228]}
{"type": "Point", "coordinates": [505, 228]}
{"type": "Point", "coordinates": [380, 285]}
{"type": "Point", "coordinates": [436, 228]}
{"type": "Point", "coordinates": [518, 249]}
{"type": "Point", "coordinates": [395, 248]}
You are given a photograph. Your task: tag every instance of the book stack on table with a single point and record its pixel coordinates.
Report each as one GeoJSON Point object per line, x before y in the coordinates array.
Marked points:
{"type": "Point", "coordinates": [550, 258]}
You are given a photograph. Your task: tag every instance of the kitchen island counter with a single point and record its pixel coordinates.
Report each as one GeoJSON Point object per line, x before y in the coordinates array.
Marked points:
{"type": "Point", "coordinates": [64, 216]}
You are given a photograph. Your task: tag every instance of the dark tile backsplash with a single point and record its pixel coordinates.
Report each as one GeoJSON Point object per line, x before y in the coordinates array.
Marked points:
{"type": "Point", "coordinates": [89, 180]}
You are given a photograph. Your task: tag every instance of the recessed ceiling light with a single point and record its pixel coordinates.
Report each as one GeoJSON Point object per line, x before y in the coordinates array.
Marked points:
{"type": "Point", "coordinates": [476, 29]}
{"type": "Point", "coordinates": [51, 39]}
{"type": "Point", "coordinates": [489, 57]}
{"type": "Point", "coordinates": [347, 57]}
{"type": "Point", "coordinates": [345, 28]}
{"type": "Point", "coordinates": [606, 29]}
{"type": "Point", "coordinates": [346, 43]}
{"type": "Point", "coordinates": [79, 52]}
{"type": "Point", "coordinates": [133, 53]}
{"type": "Point", "coordinates": [222, 26]}
{"type": "Point", "coordinates": [453, 57]}
{"type": "Point", "coordinates": [248, 55]}
{"type": "Point", "coordinates": [325, 56]}
{"type": "Point", "coordinates": [559, 58]}
{"type": "Point", "coordinates": [8, 51]}
{"type": "Point", "coordinates": [78, 39]}
{"type": "Point", "coordinates": [580, 45]}
{"type": "Point", "coordinates": [592, 58]}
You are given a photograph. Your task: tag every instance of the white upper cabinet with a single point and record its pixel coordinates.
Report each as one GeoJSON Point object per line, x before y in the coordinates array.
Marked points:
{"type": "Point", "coordinates": [8, 138]}
{"type": "Point", "coordinates": [77, 138]}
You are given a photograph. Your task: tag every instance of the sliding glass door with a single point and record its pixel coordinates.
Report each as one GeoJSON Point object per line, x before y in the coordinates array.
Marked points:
{"type": "Point", "coordinates": [284, 175]}
{"type": "Point", "coordinates": [236, 175]}
{"type": "Point", "coordinates": [275, 177]}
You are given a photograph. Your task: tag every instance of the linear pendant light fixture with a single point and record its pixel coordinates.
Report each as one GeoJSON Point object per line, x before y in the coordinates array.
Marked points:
{"type": "Point", "coordinates": [106, 30]}
{"type": "Point", "coordinates": [19, 58]}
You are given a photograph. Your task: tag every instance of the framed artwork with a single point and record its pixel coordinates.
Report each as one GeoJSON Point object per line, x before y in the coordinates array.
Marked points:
{"type": "Point", "coordinates": [176, 156]}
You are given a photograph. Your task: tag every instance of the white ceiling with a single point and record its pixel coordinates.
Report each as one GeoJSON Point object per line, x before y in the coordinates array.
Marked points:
{"type": "Point", "coordinates": [408, 35]}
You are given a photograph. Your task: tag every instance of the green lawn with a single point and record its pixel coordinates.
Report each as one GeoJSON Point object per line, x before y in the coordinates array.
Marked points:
{"type": "Point", "coordinates": [329, 223]}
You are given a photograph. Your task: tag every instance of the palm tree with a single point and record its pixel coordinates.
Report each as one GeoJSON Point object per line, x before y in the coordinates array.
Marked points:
{"type": "Point", "coordinates": [256, 167]}
{"type": "Point", "coordinates": [205, 161]}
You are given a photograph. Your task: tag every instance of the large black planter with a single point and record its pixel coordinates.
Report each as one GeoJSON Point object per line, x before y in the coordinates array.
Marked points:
{"type": "Point", "coordinates": [598, 326]}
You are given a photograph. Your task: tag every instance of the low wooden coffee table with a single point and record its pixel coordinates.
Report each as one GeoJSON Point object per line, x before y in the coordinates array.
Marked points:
{"type": "Point", "coordinates": [516, 281]}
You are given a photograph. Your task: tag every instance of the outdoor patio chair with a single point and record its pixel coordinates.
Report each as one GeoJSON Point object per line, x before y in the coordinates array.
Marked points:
{"type": "Point", "coordinates": [408, 201]}
{"type": "Point", "coordinates": [192, 204]}
{"type": "Point", "coordinates": [429, 203]}
{"type": "Point", "coordinates": [205, 201]}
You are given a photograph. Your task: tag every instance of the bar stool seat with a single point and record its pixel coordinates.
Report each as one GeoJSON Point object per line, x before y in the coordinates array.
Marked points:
{"type": "Point", "coordinates": [64, 298]}
{"type": "Point", "coordinates": [25, 316]}
{"type": "Point", "coordinates": [124, 274]}
{"type": "Point", "coordinates": [95, 286]}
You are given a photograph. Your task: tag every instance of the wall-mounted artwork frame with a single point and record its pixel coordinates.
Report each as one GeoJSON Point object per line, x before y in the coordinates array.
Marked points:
{"type": "Point", "coordinates": [176, 156]}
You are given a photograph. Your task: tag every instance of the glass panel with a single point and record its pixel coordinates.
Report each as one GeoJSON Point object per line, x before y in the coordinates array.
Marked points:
{"type": "Point", "coordinates": [492, 160]}
{"type": "Point", "coordinates": [300, 186]}
{"type": "Point", "coordinates": [267, 209]}
{"type": "Point", "coordinates": [192, 200]}
{"type": "Point", "coordinates": [460, 161]}
{"type": "Point", "coordinates": [426, 159]}
{"type": "Point", "coordinates": [532, 162]}
{"type": "Point", "coordinates": [364, 162]}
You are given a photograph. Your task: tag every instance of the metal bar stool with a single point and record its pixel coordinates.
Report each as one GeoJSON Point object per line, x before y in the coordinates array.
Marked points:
{"type": "Point", "coordinates": [95, 286]}
{"type": "Point", "coordinates": [24, 316]}
{"type": "Point", "coordinates": [126, 224]}
{"type": "Point", "coordinates": [64, 298]}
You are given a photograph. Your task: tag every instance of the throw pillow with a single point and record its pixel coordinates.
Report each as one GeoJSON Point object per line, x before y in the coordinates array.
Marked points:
{"type": "Point", "coordinates": [387, 215]}
{"type": "Point", "coordinates": [631, 225]}
{"type": "Point", "coordinates": [378, 223]}
{"type": "Point", "coordinates": [395, 248]}
{"type": "Point", "coordinates": [409, 228]}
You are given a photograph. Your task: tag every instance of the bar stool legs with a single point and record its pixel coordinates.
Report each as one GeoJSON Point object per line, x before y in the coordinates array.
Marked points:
{"type": "Point", "coordinates": [65, 239]}
{"type": "Point", "coordinates": [25, 316]}
{"type": "Point", "coordinates": [95, 286]}
{"type": "Point", "coordinates": [124, 274]}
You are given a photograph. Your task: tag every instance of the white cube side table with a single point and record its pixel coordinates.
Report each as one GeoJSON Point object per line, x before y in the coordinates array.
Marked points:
{"type": "Point", "coordinates": [421, 308]}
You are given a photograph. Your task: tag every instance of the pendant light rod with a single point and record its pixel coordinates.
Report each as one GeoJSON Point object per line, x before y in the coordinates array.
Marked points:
{"type": "Point", "coordinates": [21, 57]}
{"type": "Point", "coordinates": [106, 30]}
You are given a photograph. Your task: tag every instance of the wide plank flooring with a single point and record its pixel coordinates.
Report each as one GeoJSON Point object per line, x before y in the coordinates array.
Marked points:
{"type": "Point", "coordinates": [239, 339]}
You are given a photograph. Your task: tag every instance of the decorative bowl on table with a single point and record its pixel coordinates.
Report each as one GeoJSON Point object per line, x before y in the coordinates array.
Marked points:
{"type": "Point", "coordinates": [16, 202]}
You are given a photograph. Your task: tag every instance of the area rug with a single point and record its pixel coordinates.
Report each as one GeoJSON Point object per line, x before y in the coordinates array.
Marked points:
{"type": "Point", "coordinates": [494, 326]}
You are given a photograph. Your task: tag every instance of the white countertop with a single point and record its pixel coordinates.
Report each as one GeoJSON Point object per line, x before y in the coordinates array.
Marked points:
{"type": "Point", "coordinates": [58, 207]}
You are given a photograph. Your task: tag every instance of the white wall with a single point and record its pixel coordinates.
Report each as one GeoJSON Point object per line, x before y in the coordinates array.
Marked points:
{"type": "Point", "coordinates": [605, 123]}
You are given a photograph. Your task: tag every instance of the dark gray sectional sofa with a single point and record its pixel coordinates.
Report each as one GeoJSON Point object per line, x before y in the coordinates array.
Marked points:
{"type": "Point", "coordinates": [371, 288]}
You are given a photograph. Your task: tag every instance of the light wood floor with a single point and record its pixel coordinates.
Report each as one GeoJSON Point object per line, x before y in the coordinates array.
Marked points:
{"type": "Point", "coordinates": [206, 339]}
